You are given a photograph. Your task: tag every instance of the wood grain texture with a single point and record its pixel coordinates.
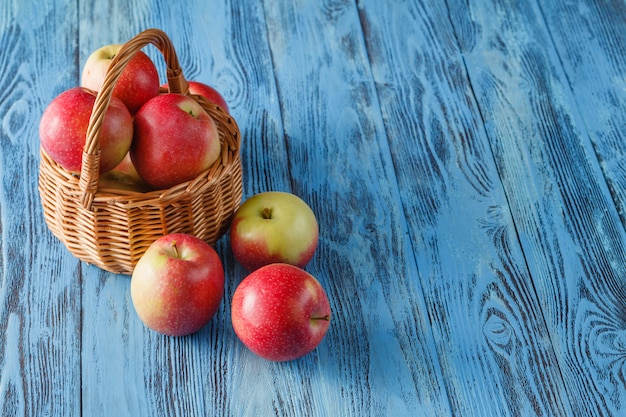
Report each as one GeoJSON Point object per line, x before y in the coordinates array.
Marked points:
{"type": "Point", "coordinates": [465, 160]}
{"type": "Point", "coordinates": [570, 231]}
{"type": "Point", "coordinates": [593, 57]}
{"type": "Point", "coordinates": [39, 299]}
{"type": "Point", "coordinates": [339, 162]}
{"type": "Point", "coordinates": [488, 326]}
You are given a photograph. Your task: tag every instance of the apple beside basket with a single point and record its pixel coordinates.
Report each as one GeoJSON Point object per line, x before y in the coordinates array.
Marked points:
{"type": "Point", "coordinates": [112, 230]}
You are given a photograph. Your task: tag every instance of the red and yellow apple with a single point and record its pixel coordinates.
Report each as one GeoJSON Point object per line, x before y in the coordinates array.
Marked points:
{"type": "Point", "coordinates": [274, 227]}
{"type": "Point", "coordinates": [206, 91]}
{"type": "Point", "coordinates": [175, 140]}
{"type": "Point", "coordinates": [177, 285]}
{"type": "Point", "coordinates": [63, 130]}
{"type": "Point", "coordinates": [280, 312]}
{"type": "Point", "coordinates": [138, 83]}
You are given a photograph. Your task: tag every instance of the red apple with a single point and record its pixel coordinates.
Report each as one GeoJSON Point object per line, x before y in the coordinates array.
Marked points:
{"type": "Point", "coordinates": [177, 285]}
{"type": "Point", "coordinates": [207, 92]}
{"type": "Point", "coordinates": [175, 140]}
{"type": "Point", "coordinates": [63, 130]}
{"type": "Point", "coordinates": [274, 227]}
{"type": "Point", "coordinates": [138, 83]}
{"type": "Point", "coordinates": [280, 312]}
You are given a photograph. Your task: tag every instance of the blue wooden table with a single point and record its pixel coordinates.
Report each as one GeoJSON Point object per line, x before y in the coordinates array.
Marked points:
{"type": "Point", "coordinates": [467, 164]}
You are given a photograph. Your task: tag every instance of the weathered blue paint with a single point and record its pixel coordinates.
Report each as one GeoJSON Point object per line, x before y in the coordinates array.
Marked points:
{"type": "Point", "coordinates": [465, 160]}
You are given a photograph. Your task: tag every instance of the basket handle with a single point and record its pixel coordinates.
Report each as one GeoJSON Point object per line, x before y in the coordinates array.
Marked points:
{"type": "Point", "coordinates": [89, 176]}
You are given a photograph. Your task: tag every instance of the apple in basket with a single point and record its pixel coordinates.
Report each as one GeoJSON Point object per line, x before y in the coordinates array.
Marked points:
{"type": "Point", "coordinates": [208, 92]}
{"type": "Point", "coordinates": [63, 129]}
{"type": "Point", "coordinates": [280, 312]}
{"type": "Point", "coordinates": [123, 177]}
{"type": "Point", "coordinates": [138, 83]}
{"type": "Point", "coordinates": [273, 227]}
{"type": "Point", "coordinates": [177, 285]}
{"type": "Point", "coordinates": [175, 140]}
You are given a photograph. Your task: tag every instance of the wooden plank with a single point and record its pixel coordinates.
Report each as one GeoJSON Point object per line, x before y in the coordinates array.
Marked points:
{"type": "Point", "coordinates": [593, 57]}
{"type": "Point", "coordinates": [113, 355]}
{"type": "Point", "coordinates": [379, 357]}
{"type": "Point", "coordinates": [494, 348]}
{"type": "Point", "coordinates": [40, 293]}
{"type": "Point", "coordinates": [223, 44]}
{"type": "Point", "coordinates": [569, 227]}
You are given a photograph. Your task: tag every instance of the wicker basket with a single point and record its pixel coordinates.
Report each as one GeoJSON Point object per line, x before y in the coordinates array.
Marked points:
{"type": "Point", "coordinates": [112, 228]}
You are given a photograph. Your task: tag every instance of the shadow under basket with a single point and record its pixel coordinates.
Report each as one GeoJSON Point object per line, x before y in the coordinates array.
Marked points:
{"type": "Point", "coordinates": [112, 228]}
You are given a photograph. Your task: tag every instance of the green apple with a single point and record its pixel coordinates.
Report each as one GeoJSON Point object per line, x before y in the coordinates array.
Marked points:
{"type": "Point", "coordinates": [123, 177]}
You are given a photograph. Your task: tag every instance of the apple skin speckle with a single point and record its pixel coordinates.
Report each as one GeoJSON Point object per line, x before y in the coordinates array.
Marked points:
{"type": "Point", "coordinates": [280, 312]}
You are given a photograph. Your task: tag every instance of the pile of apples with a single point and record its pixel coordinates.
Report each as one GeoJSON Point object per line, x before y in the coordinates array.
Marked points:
{"type": "Point", "coordinates": [149, 140]}
{"type": "Point", "coordinates": [154, 140]}
{"type": "Point", "coordinates": [279, 311]}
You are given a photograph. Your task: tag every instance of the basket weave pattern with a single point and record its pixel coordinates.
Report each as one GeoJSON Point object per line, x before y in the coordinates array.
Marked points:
{"type": "Point", "coordinates": [113, 228]}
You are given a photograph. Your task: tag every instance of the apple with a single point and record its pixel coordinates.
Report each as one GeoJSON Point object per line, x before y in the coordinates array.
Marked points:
{"type": "Point", "coordinates": [63, 129]}
{"type": "Point", "coordinates": [206, 91]}
{"type": "Point", "coordinates": [177, 285]}
{"type": "Point", "coordinates": [117, 180]}
{"type": "Point", "coordinates": [138, 83]}
{"type": "Point", "coordinates": [175, 140]}
{"type": "Point", "coordinates": [273, 227]}
{"type": "Point", "coordinates": [124, 177]}
{"type": "Point", "coordinates": [280, 312]}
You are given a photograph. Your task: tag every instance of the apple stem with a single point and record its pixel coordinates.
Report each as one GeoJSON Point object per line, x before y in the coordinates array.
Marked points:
{"type": "Point", "coordinates": [266, 213]}
{"type": "Point", "coordinates": [324, 318]}
{"type": "Point", "coordinates": [173, 244]}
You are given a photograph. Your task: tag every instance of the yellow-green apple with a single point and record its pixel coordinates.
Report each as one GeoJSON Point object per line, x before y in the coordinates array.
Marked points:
{"type": "Point", "coordinates": [280, 312]}
{"type": "Point", "coordinates": [175, 140]}
{"type": "Point", "coordinates": [63, 129]}
{"type": "Point", "coordinates": [138, 83]}
{"type": "Point", "coordinates": [206, 91]}
{"type": "Point", "coordinates": [123, 177]}
{"type": "Point", "coordinates": [273, 227]}
{"type": "Point", "coordinates": [177, 285]}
